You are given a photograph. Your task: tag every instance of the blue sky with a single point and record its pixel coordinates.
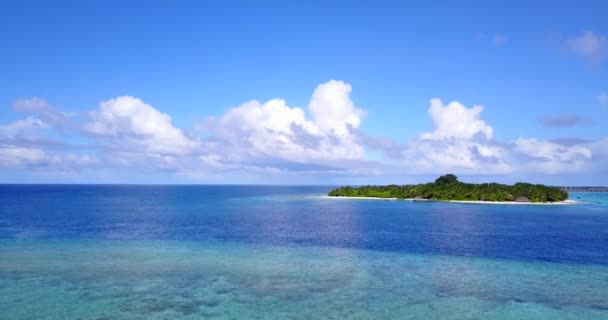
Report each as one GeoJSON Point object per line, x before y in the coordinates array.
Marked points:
{"type": "Point", "coordinates": [160, 92]}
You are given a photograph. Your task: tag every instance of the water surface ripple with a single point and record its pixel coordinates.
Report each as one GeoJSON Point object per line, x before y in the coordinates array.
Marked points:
{"type": "Point", "coordinates": [253, 252]}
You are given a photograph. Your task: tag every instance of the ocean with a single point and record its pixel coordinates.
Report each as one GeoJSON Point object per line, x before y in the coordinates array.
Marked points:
{"type": "Point", "coordinates": [282, 252]}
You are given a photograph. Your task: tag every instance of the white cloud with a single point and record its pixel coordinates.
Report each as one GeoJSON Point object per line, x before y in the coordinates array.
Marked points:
{"type": "Point", "coordinates": [455, 120]}
{"type": "Point", "coordinates": [550, 151]}
{"type": "Point", "coordinates": [455, 155]}
{"type": "Point", "coordinates": [28, 132]}
{"type": "Point", "coordinates": [130, 123]}
{"type": "Point", "coordinates": [275, 130]}
{"type": "Point", "coordinates": [23, 124]}
{"type": "Point", "coordinates": [45, 112]}
{"type": "Point", "coordinates": [273, 117]}
{"type": "Point", "coordinates": [552, 157]}
{"type": "Point", "coordinates": [257, 140]}
{"type": "Point", "coordinates": [600, 151]}
{"type": "Point", "coordinates": [589, 45]}
{"type": "Point", "coordinates": [332, 108]}
{"type": "Point", "coordinates": [21, 157]}
{"type": "Point", "coordinates": [18, 157]}
{"type": "Point", "coordinates": [460, 142]}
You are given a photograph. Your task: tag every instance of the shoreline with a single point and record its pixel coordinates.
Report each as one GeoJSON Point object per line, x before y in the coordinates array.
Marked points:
{"type": "Point", "coordinates": [362, 198]}
{"type": "Point", "coordinates": [560, 203]}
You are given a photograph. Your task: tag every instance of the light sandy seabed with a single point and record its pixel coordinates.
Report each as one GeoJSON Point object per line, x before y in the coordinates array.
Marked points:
{"type": "Point", "coordinates": [565, 202]}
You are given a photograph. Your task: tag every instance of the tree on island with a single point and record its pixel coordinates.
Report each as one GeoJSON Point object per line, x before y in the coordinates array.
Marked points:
{"type": "Point", "coordinates": [447, 187]}
{"type": "Point", "coordinates": [446, 180]}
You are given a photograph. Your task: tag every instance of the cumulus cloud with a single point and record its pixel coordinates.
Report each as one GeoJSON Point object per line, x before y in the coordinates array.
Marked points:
{"type": "Point", "coordinates": [18, 157]}
{"type": "Point", "coordinates": [21, 125]}
{"type": "Point", "coordinates": [461, 141]}
{"type": "Point", "coordinates": [550, 151]}
{"type": "Point", "coordinates": [257, 140]}
{"type": "Point", "coordinates": [588, 45]}
{"type": "Point", "coordinates": [332, 109]}
{"type": "Point", "coordinates": [21, 157]}
{"type": "Point", "coordinates": [28, 132]}
{"type": "Point", "coordinates": [562, 121]}
{"type": "Point", "coordinates": [269, 136]}
{"type": "Point", "coordinates": [455, 155]}
{"type": "Point", "coordinates": [552, 157]}
{"type": "Point", "coordinates": [455, 120]}
{"type": "Point", "coordinates": [271, 130]}
{"type": "Point", "coordinates": [600, 151]}
{"type": "Point", "coordinates": [129, 122]}
{"type": "Point", "coordinates": [42, 110]}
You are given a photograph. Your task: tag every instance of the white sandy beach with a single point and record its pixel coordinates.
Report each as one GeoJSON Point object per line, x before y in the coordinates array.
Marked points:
{"type": "Point", "coordinates": [362, 198]}
{"type": "Point", "coordinates": [565, 202]}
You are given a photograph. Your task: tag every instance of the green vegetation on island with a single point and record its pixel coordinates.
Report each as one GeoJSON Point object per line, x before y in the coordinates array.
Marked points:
{"type": "Point", "coordinates": [447, 187]}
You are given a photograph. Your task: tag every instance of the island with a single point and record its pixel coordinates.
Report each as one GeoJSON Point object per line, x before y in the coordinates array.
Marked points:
{"type": "Point", "coordinates": [448, 188]}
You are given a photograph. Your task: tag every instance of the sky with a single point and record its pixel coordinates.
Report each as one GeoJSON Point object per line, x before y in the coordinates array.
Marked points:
{"type": "Point", "coordinates": [303, 92]}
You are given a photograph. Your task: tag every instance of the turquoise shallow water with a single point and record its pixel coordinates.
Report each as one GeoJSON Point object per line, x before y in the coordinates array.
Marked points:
{"type": "Point", "coordinates": [91, 252]}
{"type": "Point", "coordinates": [184, 280]}
{"type": "Point", "coordinates": [599, 199]}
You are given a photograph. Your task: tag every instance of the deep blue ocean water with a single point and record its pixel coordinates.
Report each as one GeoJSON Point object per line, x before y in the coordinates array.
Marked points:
{"type": "Point", "coordinates": [264, 252]}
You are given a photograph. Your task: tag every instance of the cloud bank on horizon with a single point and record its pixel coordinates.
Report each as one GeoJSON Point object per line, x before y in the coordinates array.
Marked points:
{"type": "Point", "coordinates": [261, 140]}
